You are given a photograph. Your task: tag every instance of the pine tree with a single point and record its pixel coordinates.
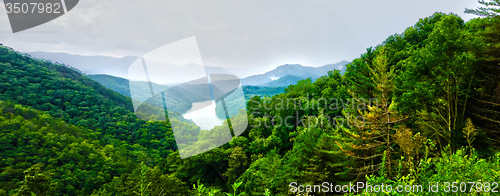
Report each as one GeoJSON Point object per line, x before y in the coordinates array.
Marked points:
{"type": "Point", "coordinates": [327, 162]}
{"type": "Point", "coordinates": [358, 74]}
{"type": "Point", "coordinates": [372, 137]}
{"type": "Point", "coordinates": [486, 99]}
{"type": "Point", "coordinates": [491, 9]}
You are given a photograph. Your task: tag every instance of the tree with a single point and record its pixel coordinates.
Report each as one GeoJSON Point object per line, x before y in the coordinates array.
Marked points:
{"type": "Point", "coordinates": [36, 182]}
{"type": "Point", "coordinates": [470, 132]}
{"type": "Point", "coordinates": [435, 81]}
{"type": "Point", "coordinates": [144, 181]}
{"type": "Point", "coordinates": [327, 162]}
{"type": "Point", "coordinates": [358, 74]}
{"type": "Point", "coordinates": [238, 163]}
{"type": "Point", "coordinates": [491, 9]}
{"type": "Point", "coordinates": [144, 184]}
{"type": "Point", "coordinates": [261, 173]}
{"type": "Point", "coordinates": [410, 145]}
{"type": "Point", "coordinates": [371, 138]}
{"type": "Point", "coordinates": [486, 97]}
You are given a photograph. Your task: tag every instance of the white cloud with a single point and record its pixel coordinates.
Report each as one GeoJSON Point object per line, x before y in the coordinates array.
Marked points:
{"type": "Point", "coordinates": [257, 34]}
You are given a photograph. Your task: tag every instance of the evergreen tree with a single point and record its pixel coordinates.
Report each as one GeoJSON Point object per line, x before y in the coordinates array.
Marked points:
{"type": "Point", "coordinates": [486, 97]}
{"type": "Point", "coordinates": [491, 8]}
{"type": "Point", "coordinates": [327, 162]}
{"type": "Point", "coordinates": [372, 137]}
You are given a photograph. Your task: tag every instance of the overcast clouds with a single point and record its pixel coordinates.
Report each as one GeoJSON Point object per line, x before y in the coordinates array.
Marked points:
{"type": "Point", "coordinates": [253, 34]}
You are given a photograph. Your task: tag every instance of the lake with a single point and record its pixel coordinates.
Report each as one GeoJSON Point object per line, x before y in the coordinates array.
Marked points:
{"type": "Point", "coordinates": [205, 117]}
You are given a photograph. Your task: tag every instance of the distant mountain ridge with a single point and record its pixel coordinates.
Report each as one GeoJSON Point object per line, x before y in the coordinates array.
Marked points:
{"type": "Point", "coordinates": [90, 64]}
{"type": "Point", "coordinates": [95, 65]}
{"type": "Point", "coordinates": [293, 73]}
{"type": "Point", "coordinates": [283, 75]}
{"type": "Point", "coordinates": [121, 85]}
{"type": "Point", "coordinates": [284, 81]}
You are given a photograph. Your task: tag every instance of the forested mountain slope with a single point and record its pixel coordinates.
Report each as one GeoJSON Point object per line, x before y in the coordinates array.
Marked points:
{"type": "Point", "coordinates": [403, 113]}
{"type": "Point", "coordinates": [71, 96]}
{"type": "Point", "coordinates": [90, 64]}
{"type": "Point", "coordinates": [81, 104]}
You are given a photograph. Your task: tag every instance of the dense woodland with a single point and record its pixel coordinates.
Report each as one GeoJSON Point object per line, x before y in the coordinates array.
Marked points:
{"type": "Point", "coordinates": [429, 98]}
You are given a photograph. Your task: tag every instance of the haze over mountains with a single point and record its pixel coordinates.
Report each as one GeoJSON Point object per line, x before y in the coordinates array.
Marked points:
{"type": "Point", "coordinates": [291, 73]}
{"type": "Point", "coordinates": [93, 65]}
{"type": "Point", "coordinates": [283, 75]}
{"type": "Point", "coordinates": [179, 104]}
{"type": "Point", "coordinates": [90, 64]}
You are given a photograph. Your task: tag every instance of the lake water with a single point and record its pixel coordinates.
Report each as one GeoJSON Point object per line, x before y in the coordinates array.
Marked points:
{"type": "Point", "coordinates": [205, 117]}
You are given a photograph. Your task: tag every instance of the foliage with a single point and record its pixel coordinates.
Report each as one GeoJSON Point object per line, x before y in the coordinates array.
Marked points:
{"type": "Point", "coordinates": [74, 98]}
{"type": "Point", "coordinates": [74, 160]}
{"type": "Point", "coordinates": [202, 190]}
{"type": "Point", "coordinates": [453, 168]}
{"type": "Point", "coordinates": [491, 8]}
{"type": "Point", "coordinates": [372, 137]}
{"type": "Point", "coordinates": [428, 99]}
{"type": "Point", "coordinates": [470, 132]}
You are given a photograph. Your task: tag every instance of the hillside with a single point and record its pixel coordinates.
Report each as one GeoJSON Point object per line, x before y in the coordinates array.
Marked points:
{"type": "Point", "coordinates": [117, 84]}
{"type": "Point", "coordinates": [69, 96]}
{"type": "Point", "coordinates": [47, 146]}
{"type": "Point", "coordinates": [296, 70]}
{"type": "Point", "coordinates": [141, 92]}
{"type": "Point", "coordinates": [121, 85]}
{"type": "Point", "coordinates": [419, 108]}
{"type": "Point", "coordinates": [284, 81]}
{"type": "Point", "coordinates": [262, 91]}
{"type": "Point", "coordinates": [249, 91]}
{"type": "Point", "coordinates": [90, 64]}
{"type": "Point", "coordinates": [118, 67]}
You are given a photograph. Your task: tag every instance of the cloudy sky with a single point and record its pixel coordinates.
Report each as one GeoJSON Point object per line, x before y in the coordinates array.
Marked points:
{"type": "Point", "coordinates": [251, 35]}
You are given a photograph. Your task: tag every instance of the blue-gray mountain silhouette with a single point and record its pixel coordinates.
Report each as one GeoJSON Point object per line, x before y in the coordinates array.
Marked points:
{"type": "Point", "coordinates": [297, 70]}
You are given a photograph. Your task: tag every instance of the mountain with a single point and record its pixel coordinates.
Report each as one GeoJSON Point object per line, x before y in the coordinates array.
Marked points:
{"type": "Point", "coordinates": [249, 91]}
{"type": "Point", "coordinates": [117, 84]}
{"type": "Point", "coordinates": [107, 65]}
{"type": "Point", "coordinates": [141, 91]}
{"type": "Point", "coordinates": [284, 81]}
{"type": "Point", "coordinates": [56, 120]}
{"type": "Point", "coordinates": [90, 64]}
{"type": "Point", "coordinates": [121, 85]}
{"type": "Point", "coordinates": [299, 71]}
{"type": "Point", "coordinates": [65, 93]}
{"type": "Point", "coordinates": [243, 72]}
{"type": "Point", "coordinates": [185, 73]}
{"type": "Point", "coordinates": [262, 91]}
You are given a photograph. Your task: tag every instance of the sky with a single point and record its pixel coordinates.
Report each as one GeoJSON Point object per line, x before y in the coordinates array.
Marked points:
{"type": "Point", "coordinates": [242, 36]}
